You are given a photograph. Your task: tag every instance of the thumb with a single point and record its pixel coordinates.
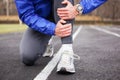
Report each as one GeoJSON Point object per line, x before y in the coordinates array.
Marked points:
{"type": "Point", "coordinates": [65, 2]}
{"type": "Point", "coordinates": [62, 21]}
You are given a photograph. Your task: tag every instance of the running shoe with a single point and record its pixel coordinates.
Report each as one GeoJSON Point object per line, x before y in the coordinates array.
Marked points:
{"type": "Point", "coordinates": [49, 51]}
{"type": "Point", "coordinates": [66, 63]}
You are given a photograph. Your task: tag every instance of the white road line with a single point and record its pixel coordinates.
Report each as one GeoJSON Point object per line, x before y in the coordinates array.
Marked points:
{"type": "Point", "coordinates": [106, 31]}
{"type": "Point", "coordinates": [76, 33]}
{"type": "Point", "coordinates": [43, 75]}
{"type": "Point", "coordinates": [113, 28]}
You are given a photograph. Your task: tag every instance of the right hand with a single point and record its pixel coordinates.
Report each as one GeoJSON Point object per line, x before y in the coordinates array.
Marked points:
{"type": "Point", "coordinates": [62, 29]}
{"type": "Point", "coordinates": [68, 12]}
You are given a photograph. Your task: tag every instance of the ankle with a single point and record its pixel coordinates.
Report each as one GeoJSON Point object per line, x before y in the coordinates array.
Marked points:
{"type": "Point", "coordinates": [67, 47]}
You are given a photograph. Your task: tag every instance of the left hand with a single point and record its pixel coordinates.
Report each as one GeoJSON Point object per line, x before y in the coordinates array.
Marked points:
{"type": "Point", "coordinates": [68, 12]}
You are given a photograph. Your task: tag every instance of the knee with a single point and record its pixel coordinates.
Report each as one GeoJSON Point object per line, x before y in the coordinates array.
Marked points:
{"type": "Point", "coordinates": [28, 61]}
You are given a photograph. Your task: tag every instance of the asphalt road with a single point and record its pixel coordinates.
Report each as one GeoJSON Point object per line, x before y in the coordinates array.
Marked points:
{"type": "Point", "coordinates": [99, 52]}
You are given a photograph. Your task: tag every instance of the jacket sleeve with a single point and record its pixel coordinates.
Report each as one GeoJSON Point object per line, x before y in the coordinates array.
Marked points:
{"type": "Point", "coordinates": [27, 15]}
{"type": "Point", "coordinates": [90, 5]}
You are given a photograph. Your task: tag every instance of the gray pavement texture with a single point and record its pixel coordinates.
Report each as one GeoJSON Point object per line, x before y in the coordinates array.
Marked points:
{"type": "Point", "coordinates": [99, 52]}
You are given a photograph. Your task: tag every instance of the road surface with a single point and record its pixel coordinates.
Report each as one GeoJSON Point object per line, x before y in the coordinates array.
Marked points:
{"type": "Point", "coordinates": [97, 46]}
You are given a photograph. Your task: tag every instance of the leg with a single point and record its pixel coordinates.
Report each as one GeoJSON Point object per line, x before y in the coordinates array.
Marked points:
{"type": "Point", "coordinates": [57, 4]}
{"type": "Point", "coordinates": [32, 46]}
{"type": "Point", "coordinates": [65, 64]}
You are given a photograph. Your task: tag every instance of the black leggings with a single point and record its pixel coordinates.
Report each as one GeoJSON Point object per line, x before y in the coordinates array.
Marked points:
{"type": "Point", "coordinates": [57, 4]}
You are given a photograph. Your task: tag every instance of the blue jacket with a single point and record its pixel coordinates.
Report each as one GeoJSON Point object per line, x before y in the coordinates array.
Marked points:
{"type": "Point", "coordinates": [35, 13]}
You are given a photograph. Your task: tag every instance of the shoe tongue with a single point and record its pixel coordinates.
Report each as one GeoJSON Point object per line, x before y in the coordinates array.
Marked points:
{"type": "Point", "coordinates": [67, 47]}
{"type": "Point", "coordinates": [68, 52]}
{"type": "Point", "coordinates": [66, 58]}
{"type": "Point", "coordinates": [72, 55]}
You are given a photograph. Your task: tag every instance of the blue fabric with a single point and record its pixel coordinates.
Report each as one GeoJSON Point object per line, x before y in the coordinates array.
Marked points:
{"type": "Point", "coordinates": [90, 5]}
{"type": "Point", "coordinates": [35, 13]}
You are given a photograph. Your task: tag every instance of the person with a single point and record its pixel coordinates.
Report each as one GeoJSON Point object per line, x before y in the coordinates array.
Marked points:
{"type": "Point", "coordinates": [46, 18]}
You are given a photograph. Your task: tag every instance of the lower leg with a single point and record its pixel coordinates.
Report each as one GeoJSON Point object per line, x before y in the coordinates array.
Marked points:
{"type": "Point", "coordinates": [33, 45]}
{"type": "Point", "coordinates": [66, 62]}
{"type": "Point", "coordinates": [57, 4]}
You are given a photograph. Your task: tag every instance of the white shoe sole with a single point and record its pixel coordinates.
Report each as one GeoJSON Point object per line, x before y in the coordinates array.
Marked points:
{"type": "Point", "coordinates": [64, 70]}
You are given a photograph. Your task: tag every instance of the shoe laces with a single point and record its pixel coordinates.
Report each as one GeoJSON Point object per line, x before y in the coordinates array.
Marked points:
{"type": "Point", "coordinates": [74, 56]}
{"type": "Point", "coordinates": [67, 57]}
{"type": "Point", "coordinates": [49, 48]}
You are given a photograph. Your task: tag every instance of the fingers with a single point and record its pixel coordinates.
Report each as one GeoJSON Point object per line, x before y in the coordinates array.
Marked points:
{"type": "Point", "coordinates": [62, 12]}
{"type": "Point", "coordinates": [62, 16]}
{"type": "Point", "coordinates": [63, 30]}
{"type": "Point", "coordinates": [66, 31]}
{"type": "Point", "coordinates": [68, 12]}
{"type": "Point", "coordinates": [65, 17]}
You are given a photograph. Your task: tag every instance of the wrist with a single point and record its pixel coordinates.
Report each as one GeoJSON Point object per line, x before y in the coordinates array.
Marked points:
{"type": "Point", "coordinates": [79, 8]}
{"type": "Point", "coordinates": [76, 12]}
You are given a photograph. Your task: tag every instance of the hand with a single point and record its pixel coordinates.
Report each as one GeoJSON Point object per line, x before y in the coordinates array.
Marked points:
{"type": "Point", "coordinates": [62, 29]}
{"type": "Point", "coordinates": [68, 12]}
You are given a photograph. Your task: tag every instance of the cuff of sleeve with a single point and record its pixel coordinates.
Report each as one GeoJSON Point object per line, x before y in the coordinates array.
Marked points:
{"type": "Point", "coordinates": [81, 4]}
{"type": "Point", "coordinates": [52, 27]}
